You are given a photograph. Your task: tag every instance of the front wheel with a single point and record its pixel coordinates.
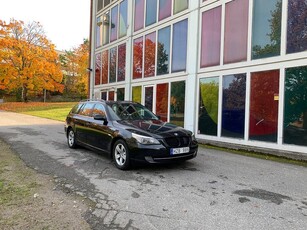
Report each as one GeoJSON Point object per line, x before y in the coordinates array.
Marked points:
{"type": "Point", "coordinates": [71, 139]}
{"type": "Point", "coordinates": [121, 155]}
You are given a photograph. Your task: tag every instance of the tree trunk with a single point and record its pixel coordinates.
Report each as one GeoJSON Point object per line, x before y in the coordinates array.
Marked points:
{"type": "Point", "coordinates": [24, 93]}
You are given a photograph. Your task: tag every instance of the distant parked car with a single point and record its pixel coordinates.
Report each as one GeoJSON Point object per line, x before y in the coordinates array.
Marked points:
{"type": "Point", "coordinates": [128, 131]}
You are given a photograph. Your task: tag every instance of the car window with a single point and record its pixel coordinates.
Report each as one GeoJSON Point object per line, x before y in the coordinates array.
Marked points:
{"type": "Point", "coordinates": [76, 108]}
{"type": "Point", "coordinates": [86, 109]}
{"type": "Point", "coordinates": [131, 111]}
{"type": "Point", "coordinates": [99, 110]}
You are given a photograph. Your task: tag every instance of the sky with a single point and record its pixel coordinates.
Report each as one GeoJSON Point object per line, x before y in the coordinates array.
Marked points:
{"type": "Point", "coordinates": [65, 22]}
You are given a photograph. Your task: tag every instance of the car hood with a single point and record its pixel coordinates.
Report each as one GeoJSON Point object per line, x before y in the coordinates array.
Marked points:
{"type": "Point", "coordinates": [154, 127]}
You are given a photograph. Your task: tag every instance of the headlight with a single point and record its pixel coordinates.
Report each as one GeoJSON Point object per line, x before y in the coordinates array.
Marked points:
{"type": "Point", "coordinates": [193, 137]}
{"type": "Point", "coordinates": [145, 140]}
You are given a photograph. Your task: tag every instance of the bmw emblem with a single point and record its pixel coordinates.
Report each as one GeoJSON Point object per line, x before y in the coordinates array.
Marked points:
{"type": "Point", "coordinates": [176, 134]}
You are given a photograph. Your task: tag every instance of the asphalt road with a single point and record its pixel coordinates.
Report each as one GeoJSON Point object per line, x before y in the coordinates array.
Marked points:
{"type": "Point", "coordinates": [216, 190]}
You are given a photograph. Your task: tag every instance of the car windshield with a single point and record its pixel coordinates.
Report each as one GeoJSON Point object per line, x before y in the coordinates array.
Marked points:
{"type": "Point", "coordinates": [132, 111]}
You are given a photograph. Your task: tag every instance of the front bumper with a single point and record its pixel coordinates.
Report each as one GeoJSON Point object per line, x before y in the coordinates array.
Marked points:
{"type": "Point", "coordinates": [159, 153]}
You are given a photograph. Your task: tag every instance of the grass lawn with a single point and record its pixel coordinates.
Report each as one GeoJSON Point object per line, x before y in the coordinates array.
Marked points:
{"type": "Point", "coordinates": [56, 111]}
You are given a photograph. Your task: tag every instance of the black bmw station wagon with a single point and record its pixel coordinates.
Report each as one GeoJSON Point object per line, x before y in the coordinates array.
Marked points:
{"type": "Point", "coordinates": [127, 131]}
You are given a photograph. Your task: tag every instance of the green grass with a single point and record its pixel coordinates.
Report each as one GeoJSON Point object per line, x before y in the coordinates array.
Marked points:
{"type": "Point", "coordinates": [55, 111]}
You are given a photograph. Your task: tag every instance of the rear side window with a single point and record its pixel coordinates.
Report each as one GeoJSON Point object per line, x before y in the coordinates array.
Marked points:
{"type": "Point", "coordinates": [86, 109]}
{"type": "Point", "coordinates": [76, 108]}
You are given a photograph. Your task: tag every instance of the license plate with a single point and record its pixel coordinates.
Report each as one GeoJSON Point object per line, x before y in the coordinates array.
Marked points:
{"type": "Point", "coordinates": [175, 151]}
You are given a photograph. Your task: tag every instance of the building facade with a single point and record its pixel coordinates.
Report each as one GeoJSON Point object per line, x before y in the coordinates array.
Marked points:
{"type": "Point", "coordinates": [232, 71]}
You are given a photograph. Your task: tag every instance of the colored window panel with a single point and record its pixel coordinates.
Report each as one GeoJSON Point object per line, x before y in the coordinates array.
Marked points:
{"type": "Point", "coordinates": [150, 55]}
{"type": "Point", "coordinates": [138, 58]}
{"type": "Point", "coordinates": [162, 101]}
{"type": "Point", "coordinates": [208, 102]}
{"type": "Point", "coordinates": [297, 26]}
{"type": "Point", "coordinates": [236, 29]}
{"type": "Point", "coordinates": [233, 110]}
{"type": "Point", "coordinates": [106, 28]}
{"type": "Point", "coordinates": [137, 94]}
{"type": "Point", "coordinates": [121, 62]}
{"type": "Point", "coordinates": [99, 32]}
{"type": "Point", "coordinates": [121, 94]}
{"type": "Point", "coordinates": [295, 107]}
{"type": "Point", "coordinates": [138, 15]}
{"type": "Point", "coordinates": [151, 12]}
{"type": "Point", "coordinates": [180, 5]}
{"type": "Point", "coordinates": [179, 55]}
{"type": "Point", "coordinates": [266, 28]}
{"type": "Point", "coordinates": [111, 95]}
{"type": "Point", "coordinates": [163, 52]}
{"type": "Point", "coordinates": [165, 9]}
{"type": "Point", "coordinates": [264, 97]}
{"type": "Point", "coordinates": [113, 57]}
{"type": "Point", "coordinates": [114, 23]}
{"type": "Point", "coordinates": [105, 66]}
{"type": "Point", "coordinates": [211, 38]}
{"type": "Point", "coordinates": [149, 98]}
{"type": "Point", "coordinates": [177, 103]}
{"type": "Point", "coordinates": [98, 69]}
{"type": "Point", "coordinates": [123, 23]}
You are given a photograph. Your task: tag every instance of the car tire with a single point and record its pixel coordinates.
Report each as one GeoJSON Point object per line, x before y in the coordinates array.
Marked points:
{"type": "Point", "coordinates": [71, 139]}
{"type": "Point", "coordinates": [121, 155]}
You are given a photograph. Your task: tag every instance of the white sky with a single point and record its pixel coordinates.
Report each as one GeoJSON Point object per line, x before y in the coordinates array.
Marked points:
{"type": "Point", "coordinates": [65, 22]}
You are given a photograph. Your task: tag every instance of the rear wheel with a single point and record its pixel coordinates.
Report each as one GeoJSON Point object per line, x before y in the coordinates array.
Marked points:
{"type": "Point", "coordinates": [71, 139]}
{"type": "Point", "coordinates": [121, 155]}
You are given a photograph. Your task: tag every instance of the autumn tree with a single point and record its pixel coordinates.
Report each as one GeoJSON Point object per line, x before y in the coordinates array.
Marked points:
{"type": "Point", "coordinates": [75, 64]}
{"type": "Point", "coordinates": [28, 59]}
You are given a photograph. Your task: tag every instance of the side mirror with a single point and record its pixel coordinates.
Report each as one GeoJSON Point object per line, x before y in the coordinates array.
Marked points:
{"type": "Point", "coordinates": [100, 117]}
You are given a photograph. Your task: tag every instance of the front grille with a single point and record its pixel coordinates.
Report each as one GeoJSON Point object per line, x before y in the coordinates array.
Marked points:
{"type": "Point", "coordinates": [175, 142]}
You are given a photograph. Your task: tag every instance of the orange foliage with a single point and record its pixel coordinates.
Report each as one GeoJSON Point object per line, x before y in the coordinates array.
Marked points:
{"type": "Point", "coordinates": [28, 60]}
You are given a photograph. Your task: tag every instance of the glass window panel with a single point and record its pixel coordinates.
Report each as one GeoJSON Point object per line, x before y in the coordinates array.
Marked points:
{"type": "Point", "coordinates": [150, 55]}
{"type": "Point", "coordinates": [121, 62]}
{"type": "Point", "coordinates": [111, 95]}
{"type": "Point", "coordinates": [297, 26]}
{"type": "Point", "coordinates": [113, 57]}
{"type": "Point", "coordinates": [114, 21]}
{"type": "Point", "coordinates": [151, 12]}
{"type": "Point", "coordinates": [137, 94]}
{"type": "Point", "coordinates": [179, 55]}
{"type": "Point", "coordinates": [138, 15]}
{"type": "Point", "coordinates": [99, 5]}
{"type": "Point", "coordinates": [104, 96]}
{"type": "Point", "coordinates": [236, 26]}
{"type": "Point", "coordinates": [165, 9]}
{"type": "Point", "coordinates": [180, 5]}
{"type": "Point", "coordinates": [266, 28]}
{"type": "Point", "coordinates": [208, 106]}
{"type": "Point", "coordinates": [211, 37]}
{"type": "Point", "coordinates": [163, 51]}
{"type": "Point", "coordinates": [123, 23]}
{"type": "Point", "coordinates": [264, 98]}
{"type": "Point", "coordinates": [149, 98]}
{"type": "Point", "coordinates": [99, 32]}
{"type": "Point", "coordinates": [162, 101]}
{"type": "Point", "coordinates": [98, 69]}
{"type": "Point", "coordinates": [295, 107]}
{"type": "Point", "coordinates": [121, 94]}
{"type": "Point", "coordinates": [138, 58]}
{"type": "Point", "coordinates": [105, 66]}
{"type": "Point", "coordinates": [106, 2]}
{"type": "Point", "coordinates": [233, 110]}
{"type": "Point", "coordinates": [177, 103]}
{"type": "Point", "coordinates": [106, 28]}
